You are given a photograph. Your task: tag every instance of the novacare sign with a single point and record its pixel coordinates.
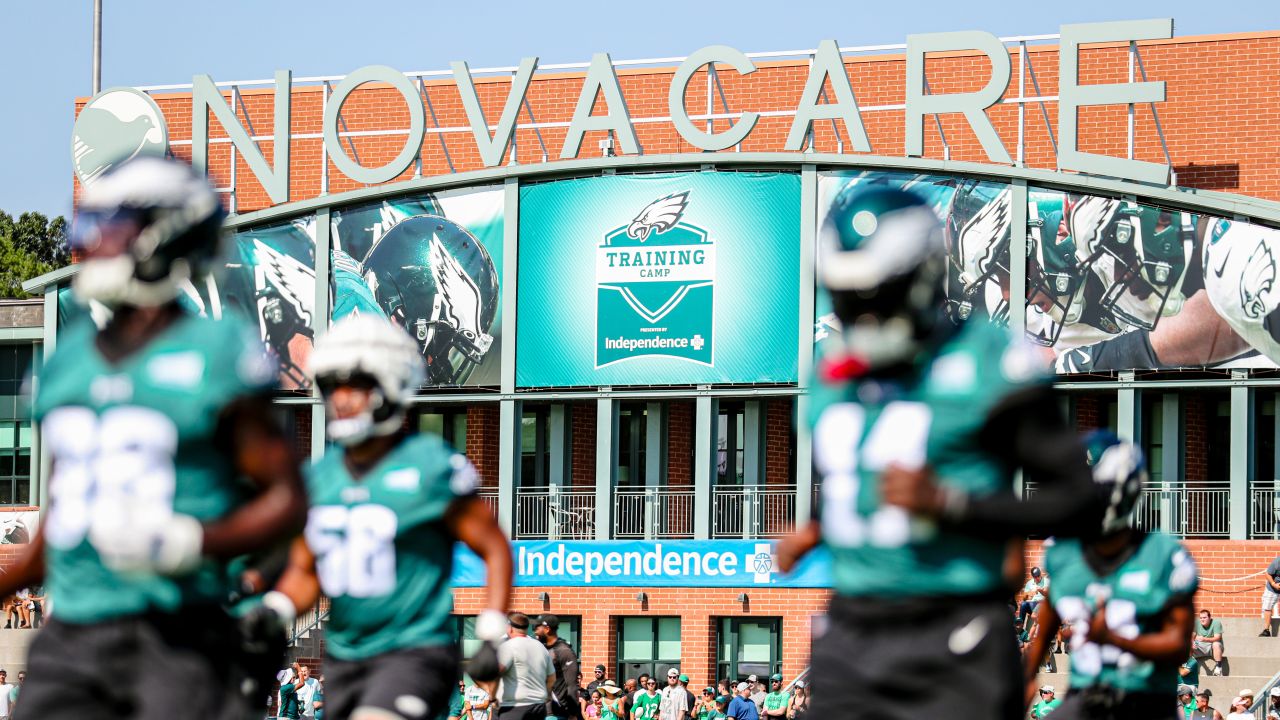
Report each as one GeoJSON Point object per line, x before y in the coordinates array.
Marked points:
{"type": "Point", "coordinates": [826, 69]}
{"type": "Point", "coordinates": [647, 564]}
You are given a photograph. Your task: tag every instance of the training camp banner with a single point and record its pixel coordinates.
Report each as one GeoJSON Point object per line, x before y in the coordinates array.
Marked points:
{"type": "Point", "coordinates": [648, 564]}
{"type": "Point", "coordinates": [668, 278]}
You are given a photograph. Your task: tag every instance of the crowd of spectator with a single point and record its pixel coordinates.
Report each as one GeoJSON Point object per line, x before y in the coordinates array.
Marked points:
{"type": "Point", "coordinates": [25, 608]}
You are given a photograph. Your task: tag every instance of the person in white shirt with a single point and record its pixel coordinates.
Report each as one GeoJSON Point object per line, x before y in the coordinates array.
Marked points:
{"type": "Point", "coordinates": [307, 692]}
{"type": "Point", "coordinates": [675, 701]}
{"type": "Point", "coordinates": [477, 705]}
{"type": "Point", "coordinates": [1240, 709]}
{"type": "Point", "coordinates": [6, 690]}
{"type": "Point", "coordinates": [527, 673]}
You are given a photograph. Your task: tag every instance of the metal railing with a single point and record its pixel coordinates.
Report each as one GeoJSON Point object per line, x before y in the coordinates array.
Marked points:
{"type": "Point", "coordinates": [309, 620]}
{"type": "Point", "coordinates": [753, 511]}
{"type": "Point", "coordinates": [1264, 514]}
{"type": "Point", "coordinates": [554, 513]}
{"type": "Point", "coordinates": [490, 498]}
{"type": "Point", "coordinates": [1186, 512]}
{"type": "Point", "coordinates": [655, 512]}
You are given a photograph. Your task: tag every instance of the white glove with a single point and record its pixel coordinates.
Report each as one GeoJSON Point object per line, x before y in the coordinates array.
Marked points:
{"type": "Point", "coordinates": [168, 547]}
{"type": "Point", "coordinates": [491, 626]}
{"type": "Point", "coordinates": [280, 604]}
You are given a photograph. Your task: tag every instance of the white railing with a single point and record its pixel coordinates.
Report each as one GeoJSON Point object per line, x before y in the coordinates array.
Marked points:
{"type": "Point", "coordinates": [490, 498]}
{"type": "Point", "coordinates": [554, 513]}
{"type": "Point", "coordinates": [656, 512]}
{"type": "Point", "coordinates": [1186, 512]}
{"type": "Point", "coordinates": [753, 511]}
{"type": "Point", "coordinates": [1264, 514]}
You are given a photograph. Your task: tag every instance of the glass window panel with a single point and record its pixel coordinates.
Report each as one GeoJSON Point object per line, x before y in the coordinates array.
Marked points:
{"type": "Point", "coordinates": [431, 423]}
{"type": "Point", "coordinates": [23, 496]}
{"type": "Point", "coordinates": [8, 435]}
{"type": "Point", "coordinates": [726, 651]}
{"type": "Point", "coordinates": [6, 466]}
{"type": "Point", "coordinates": [528, 433]}
{"type": "Point", "coordinates": [669, 637]}
{"type": "Point", "coordinates": [24, 435]}
{"type": "Point", "coordinates": [460, 432]}
{"type": "Point", "coordinates": [23, 464]}
{"type": "Point", "coordinates": [6, 491]}
{"type": "Point", "coordinates": [637, 639]}
{"type": "Point", "coordinates": [754, 642]}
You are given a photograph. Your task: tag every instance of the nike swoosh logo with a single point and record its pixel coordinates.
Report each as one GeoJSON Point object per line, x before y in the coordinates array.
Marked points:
{"type": "Point", "coordinates": [1223, 267]}
{"type": "Point", "coordinates": [964, 639]}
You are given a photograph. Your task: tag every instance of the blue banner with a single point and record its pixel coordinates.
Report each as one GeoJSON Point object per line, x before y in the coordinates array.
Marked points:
{"type": "Point", "coordinates": [648, 564]}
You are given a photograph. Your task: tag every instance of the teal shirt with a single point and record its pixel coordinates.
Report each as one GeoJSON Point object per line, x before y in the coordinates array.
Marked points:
{"type": "Point", "coordinates": [383, 552]}
{"type": "Point", "coordinates": [289, 704]}
{"type": "Point", "coordinates": [132, 442]}
{"type": "Point", "coordinates": [932, 416]}
{"type": "Point", "coordinates": [1192, 678]}
{"type": "Point", "coordinates": [1043, 708]}
{"type": "Point", "coordinates": [1160, 574]}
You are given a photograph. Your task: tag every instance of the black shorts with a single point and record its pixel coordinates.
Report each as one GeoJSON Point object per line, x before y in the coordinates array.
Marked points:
{"type": "Point", "coordinates": [146, 667]}
{"type": "Point", "coordinates": [955, 659]}
{"type": "Point", "coordinates": [1088, 705]}
{"type": "Point", "coordinates": [411, 684]}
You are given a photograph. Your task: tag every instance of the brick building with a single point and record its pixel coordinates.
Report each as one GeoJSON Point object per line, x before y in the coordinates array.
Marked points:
{"type": "Point", "coordinates": [727, 461]}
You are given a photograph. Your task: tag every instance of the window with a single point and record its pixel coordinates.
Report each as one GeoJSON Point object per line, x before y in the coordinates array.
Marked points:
{"type": "Point", "coordinates": [15, 425]}
{"type": "Point", "coordinates": [731, 467]}
{"type": "Point", "coordinates": [647, 645]}
{"type": "Point", "coordinates": [632, 438]}
{"type": "Point", "coordinates": [450, 424]}
{"type": "Point", "coordinates": [1153, 436]}
{"type": "Point", "coordinates": [535, 448]}
{"type": "Point", "coordinates": [468, 643]}
{"type": "Point", "coordinates": [748, 646]}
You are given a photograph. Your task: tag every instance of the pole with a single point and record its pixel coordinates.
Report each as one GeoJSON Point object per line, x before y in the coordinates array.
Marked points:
{"type": "Point", "coordinates": [97, 46]}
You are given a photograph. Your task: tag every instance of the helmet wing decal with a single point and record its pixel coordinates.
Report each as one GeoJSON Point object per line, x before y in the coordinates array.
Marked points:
{"type": "Point", "coordinates": [459, 290]}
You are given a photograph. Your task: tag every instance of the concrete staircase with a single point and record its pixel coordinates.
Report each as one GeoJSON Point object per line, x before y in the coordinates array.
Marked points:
{"type": "Point", "coordinates": [13, 650]}
{"type": "Point", "coordinates": [1249, 662]}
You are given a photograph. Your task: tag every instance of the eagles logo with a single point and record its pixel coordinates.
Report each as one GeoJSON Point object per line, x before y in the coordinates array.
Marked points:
{"type": "Point", "coordinates": [660, 215]}
{"type": "Point", "coordinates": [1256, 281]}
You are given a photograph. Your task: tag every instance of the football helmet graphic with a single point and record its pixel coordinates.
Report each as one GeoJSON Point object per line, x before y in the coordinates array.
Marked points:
{"type": "Point", "coordinates": [355, 229]}
{"type": "Point", "coordinates": [433, 278]}
{"type": "Point", "coordinates": [977, 238]}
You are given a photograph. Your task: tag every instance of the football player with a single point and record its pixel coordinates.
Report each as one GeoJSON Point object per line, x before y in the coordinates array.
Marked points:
{"type": "Point", "coordinates": [918, 427]}
{"type": "Point", "coordinates": [165, 463]}
{"type": "Point", "coordinates": [1125, 594]}
{"type": "Point", "coordinates": [386, 508]}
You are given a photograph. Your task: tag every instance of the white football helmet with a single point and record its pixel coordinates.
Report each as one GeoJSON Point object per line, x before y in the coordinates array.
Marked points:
{"type": "Point", "coordinates": [166, 220]}
{"type": "Point", "coordinates": [367, 346]}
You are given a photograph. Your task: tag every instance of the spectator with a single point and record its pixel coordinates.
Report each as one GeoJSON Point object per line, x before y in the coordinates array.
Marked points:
{"type": "Point", "coordinates": [1203, 711]}
{"type": "Point", "coordinates": [1240, 709]}
{"type": "Point", "coordinates": [648, 702]}
{"type": "Point", "coordinates": [742, 707]}
{"type": "Point", "coordinates": [564, 696]}
{"type": "Point", "coordinates": [629, 690]}
{"type": "Point", "coordinates": [1206, 641]}
{"type": "Point", "coordinates": [722, 707]}
{"type": "Point", "coordinates": [595, 684]}
{"type": "Point", "coordinates": [1186, 701]}
{"type": "Point", "coordinates": [675, 702]}
{"type": "Point", "coordinates": [757, 693]}
{"type": "Point", "coordinates": [528, 673]}
{"type": "Point", "coordinates": [641, 684]}
{"type": "Point", "coordinates": [612, 702]}
{"type": "Point", "coordinates": [778, 700]}
{"type": "Point", "coordinates": [13, 694]}
{"type": "Point", "coordinates": [583, 696]}
{"type": "Point", "coordinates": [317, 700]}
{"type": "Point", "coordinates": [458, 701]}
{"type": "Point", "coordinates": [1270, 593]}
{"type": "Point", "coordinates": [289, 707]}
{"type": "Point", "coordinates": [705, 706]}
{"type": "Point", "coordinates": [477, 704]}
{"type": "Point", "coordinates": [592, 710]}
{"type": "Point", "coordinates": [5, 690]}
{"type": "Point", "coordinates": [799, 701]}
{"type": "Point", "coordinates": [306, 692]}
{"type": "Point", "coordinates": [725, 688]}
{"type": "Point", "coordinates": [1046, 703]}
{"type": "Point", "coordinates": [1273, 712]}
{"type": "Point", "coordinates": [689, 697]}
{"type": "Point", "coordinates": [1032, 594]}
{"type": "Point", "coordinates": [1189, 673]}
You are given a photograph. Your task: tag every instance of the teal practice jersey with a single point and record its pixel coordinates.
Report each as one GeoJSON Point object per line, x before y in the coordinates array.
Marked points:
{"type": "Point", "coordinates": [132, 443]}
{"type": "Point", "coordinates": [932, 417]}
{"type": "Point", "coordinates": [383, 552]}
{"type": "Point", "coordinates": [1159, 575]}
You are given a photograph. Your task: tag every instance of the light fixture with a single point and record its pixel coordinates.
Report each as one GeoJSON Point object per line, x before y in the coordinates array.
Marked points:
{"type": "Point", "coordinates": [742, 598]}
{"type": "Point", "coordinates": [642, 597]}
{"type": "Point", "coordinates": [544, 597]}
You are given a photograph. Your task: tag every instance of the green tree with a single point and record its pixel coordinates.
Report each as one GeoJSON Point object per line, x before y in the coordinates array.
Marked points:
{"type": "Point", "coordinates": [30, 246]}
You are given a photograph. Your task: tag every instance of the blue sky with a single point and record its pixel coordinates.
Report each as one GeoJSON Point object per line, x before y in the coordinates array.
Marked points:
{"type": "Point", "coordinates": [47, 50]}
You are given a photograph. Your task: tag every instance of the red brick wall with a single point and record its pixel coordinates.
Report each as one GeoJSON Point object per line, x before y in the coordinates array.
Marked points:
{"type": "Point", "coordinates": [680, 434]}
{"type": "Point", "coordinates": [1230, 572]}
{"type": "Point", "coordinates": [778, 441]}
{"type": "Point", "coordinates": [1218, 119]}
{"type": "Point", "coordinates": [583, 453]}
{"type": "Point", "coordinates": [482, 441]}
{"type": "Point", "coordinates": [699, 609]}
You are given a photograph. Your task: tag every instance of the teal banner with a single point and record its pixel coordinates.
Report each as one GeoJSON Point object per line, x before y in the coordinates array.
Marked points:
{"type": "Point", "coordinates": [668, 279]}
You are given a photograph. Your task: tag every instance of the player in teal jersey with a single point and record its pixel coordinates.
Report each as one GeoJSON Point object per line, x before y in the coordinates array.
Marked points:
{"type": "Point", "coordinates": [1126, 594]}
{"type": "Point", "coordinates": [918, 427]}
{"type": "Point", "coordinates": [165, 464]}
{"type": "Point", "coordinates": [386, 508]}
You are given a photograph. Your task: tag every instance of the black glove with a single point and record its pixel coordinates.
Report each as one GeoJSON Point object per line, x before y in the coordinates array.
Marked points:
{"type": "Point", "coordinates": [1129, 351]}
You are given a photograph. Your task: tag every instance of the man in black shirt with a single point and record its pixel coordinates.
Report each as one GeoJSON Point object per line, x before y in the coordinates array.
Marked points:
{"type": "Point", "coordinates": [591, 686]}
{"type": "Point", "coordinates": [564, 695]}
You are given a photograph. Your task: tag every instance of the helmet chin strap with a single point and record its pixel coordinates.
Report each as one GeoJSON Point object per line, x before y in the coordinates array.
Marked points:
{"type": "Point", "coordinates": [364, 426]}
{"type": "Point", "coordinates": [111, 281]}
